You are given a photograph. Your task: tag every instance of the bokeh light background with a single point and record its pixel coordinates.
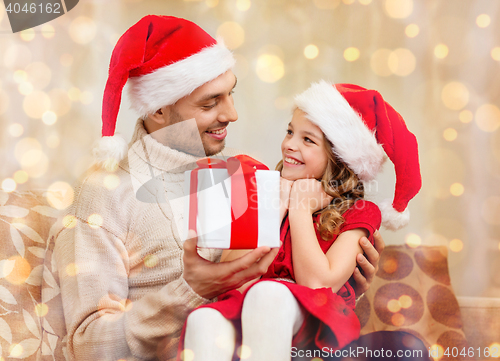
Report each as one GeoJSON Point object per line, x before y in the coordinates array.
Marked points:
{"type": "Point", "coordinates": [436, 61]}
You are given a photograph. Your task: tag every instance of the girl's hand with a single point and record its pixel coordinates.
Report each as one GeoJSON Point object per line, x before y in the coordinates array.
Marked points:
{"type": "Point", "coordinates": [308, 195]}
{"type": "Point", "coordinates": [285, 188]}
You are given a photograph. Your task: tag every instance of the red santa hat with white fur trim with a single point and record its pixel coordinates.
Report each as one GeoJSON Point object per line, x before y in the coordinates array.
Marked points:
{"type": "Point", "coordinates": [163, 58]}
{"type": "Point", "coordinates": [363, 128]}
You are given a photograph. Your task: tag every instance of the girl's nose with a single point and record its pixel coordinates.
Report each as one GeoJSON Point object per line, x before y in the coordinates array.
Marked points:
{"type": "Point", "coordinates": [290, 143]}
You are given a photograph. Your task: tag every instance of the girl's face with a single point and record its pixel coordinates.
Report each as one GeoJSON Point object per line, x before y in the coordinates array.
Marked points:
{"type": "Point", "coordinates": [303, 149]}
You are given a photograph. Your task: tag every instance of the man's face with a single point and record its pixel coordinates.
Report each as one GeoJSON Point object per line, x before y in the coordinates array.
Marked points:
{"type": "Point", "coordinates": [212, 106]}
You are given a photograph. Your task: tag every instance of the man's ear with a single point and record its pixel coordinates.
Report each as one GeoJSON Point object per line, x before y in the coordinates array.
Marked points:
{"type": "Point", "coordinates": [159, 116]}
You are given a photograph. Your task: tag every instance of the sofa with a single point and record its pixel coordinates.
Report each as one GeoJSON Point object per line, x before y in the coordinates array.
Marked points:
{"type": "Point", "coordinates": [411, 292]}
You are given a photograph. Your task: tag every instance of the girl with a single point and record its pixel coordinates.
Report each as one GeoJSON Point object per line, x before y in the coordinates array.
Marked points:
{"type": "Point", "coordinates": [335, 142]}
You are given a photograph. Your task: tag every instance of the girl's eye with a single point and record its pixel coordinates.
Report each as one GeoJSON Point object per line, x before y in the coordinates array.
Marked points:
{"type": "Point", "coordinates": [309, 140]}
{"type": "Point", "coordinates": [289, 132]}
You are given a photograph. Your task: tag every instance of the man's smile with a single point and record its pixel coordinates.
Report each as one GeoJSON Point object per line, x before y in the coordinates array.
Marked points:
{"type": "Point", "coordinates": [218, 134]}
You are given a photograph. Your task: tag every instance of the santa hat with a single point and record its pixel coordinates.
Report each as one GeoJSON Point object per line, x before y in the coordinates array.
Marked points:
{"type": "Point", "coordinates": [164, 58]}
{"type": "Point", "coordinates": [363, 128]}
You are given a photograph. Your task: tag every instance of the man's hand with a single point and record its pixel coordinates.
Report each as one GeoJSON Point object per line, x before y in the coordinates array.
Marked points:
{"type": "Point", "coordinates": [209, 279]}
{"type": "Point", "coordinates": [368, 263]}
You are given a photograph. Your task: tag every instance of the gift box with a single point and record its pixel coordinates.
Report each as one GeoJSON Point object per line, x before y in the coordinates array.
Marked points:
{"type": "Point", "coordinates": [233, 204]}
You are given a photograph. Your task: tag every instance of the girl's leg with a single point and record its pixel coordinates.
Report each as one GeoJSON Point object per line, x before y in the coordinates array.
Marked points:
{"type": "Point", "coordinates": [270, 317]}
{"type": "Point", "coordinates": [209, 335]}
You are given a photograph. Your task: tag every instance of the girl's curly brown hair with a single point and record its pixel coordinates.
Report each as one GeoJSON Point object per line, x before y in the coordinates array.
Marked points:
{"type": "Point", "coordinates": [340, 182]}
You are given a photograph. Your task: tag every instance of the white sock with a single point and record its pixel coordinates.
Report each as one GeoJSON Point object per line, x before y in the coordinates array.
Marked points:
{"type": "Point", "coordinates": [270, 317]}
{"type": "Point", "coordinates": [209, 335]}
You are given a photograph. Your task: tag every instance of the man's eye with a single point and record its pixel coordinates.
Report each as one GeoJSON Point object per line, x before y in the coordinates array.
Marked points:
{"type": "Point", "coordinates": [210, 106]}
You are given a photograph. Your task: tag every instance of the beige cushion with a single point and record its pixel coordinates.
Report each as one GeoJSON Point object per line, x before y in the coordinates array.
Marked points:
{"type": "Point", "coordinates": [412, 292]}
{"type": "Point", "coordinates": [25, 222]}
{"type": "Point", "coordinates": [481, 317]}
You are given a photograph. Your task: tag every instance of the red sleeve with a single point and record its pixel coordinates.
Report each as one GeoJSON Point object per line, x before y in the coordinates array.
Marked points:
{"type": "Point", "coordinates": [362, 214]}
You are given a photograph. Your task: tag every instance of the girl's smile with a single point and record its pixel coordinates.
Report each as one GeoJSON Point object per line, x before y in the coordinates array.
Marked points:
{"type": "Point", "coordinates": [292, 161]}
{"type": "Point", "coordinates": [303, 149]}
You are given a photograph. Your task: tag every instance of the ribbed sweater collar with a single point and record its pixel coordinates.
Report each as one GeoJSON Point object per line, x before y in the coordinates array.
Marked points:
{"type": "Point", "coordinates": [159, 156]}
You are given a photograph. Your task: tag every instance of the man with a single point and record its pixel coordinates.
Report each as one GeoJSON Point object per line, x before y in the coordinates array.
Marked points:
{"type": "Point", "coordinates": [135, 281]}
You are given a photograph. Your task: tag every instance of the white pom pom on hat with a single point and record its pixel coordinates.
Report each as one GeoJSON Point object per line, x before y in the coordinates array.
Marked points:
{"type": "Point", "coordinates": [108, 151]}
{"type": "Point", "coordinates": [164, 58]}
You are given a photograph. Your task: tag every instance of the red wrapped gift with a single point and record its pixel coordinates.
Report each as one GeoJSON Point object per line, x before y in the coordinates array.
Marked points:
{"type": "Point", "coordinates": [233, 204]}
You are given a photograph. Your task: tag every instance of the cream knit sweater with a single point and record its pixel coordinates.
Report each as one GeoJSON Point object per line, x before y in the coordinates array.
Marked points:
{"type": "Point", "coordinates": [128, 299]}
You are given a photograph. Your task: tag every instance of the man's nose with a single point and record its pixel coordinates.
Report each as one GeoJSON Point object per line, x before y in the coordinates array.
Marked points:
{"type": "Point", "coordinates": [228, 112]}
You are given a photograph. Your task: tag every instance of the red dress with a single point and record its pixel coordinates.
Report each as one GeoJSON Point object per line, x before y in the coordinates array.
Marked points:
{"type": "Point", "coordinates": [330, 320]}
